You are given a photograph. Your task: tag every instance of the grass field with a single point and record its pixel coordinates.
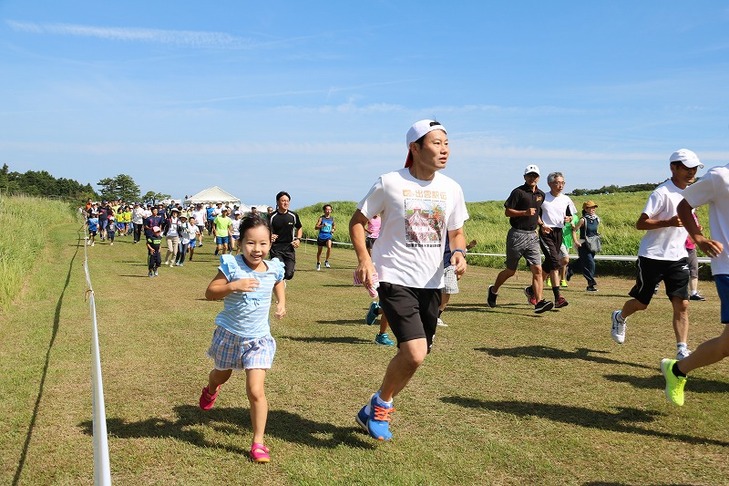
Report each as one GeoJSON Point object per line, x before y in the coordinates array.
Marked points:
{"type": "Point", "coordinates": [506, 397]}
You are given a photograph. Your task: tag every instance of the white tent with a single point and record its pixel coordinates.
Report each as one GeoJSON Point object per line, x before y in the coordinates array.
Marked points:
{"type": "Point", "coordinates": [213, 195]}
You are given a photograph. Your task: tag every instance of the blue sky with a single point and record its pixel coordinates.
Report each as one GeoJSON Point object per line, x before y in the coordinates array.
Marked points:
{"type": "Point", "coordinates": [315, 97]}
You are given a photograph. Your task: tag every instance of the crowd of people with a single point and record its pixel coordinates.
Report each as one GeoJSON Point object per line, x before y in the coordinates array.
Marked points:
{"type": "Point", "coordinates": [408, 236]}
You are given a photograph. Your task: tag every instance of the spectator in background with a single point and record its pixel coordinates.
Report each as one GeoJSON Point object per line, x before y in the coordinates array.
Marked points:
{"type": "Point", "coordinates": [569, 237]}
{"type": "Point", "coordinates": [587, 226]}
{"type": "Point", "coordinates": [373, 232]}
{"type": "Point", "coordinates": [693, 261]}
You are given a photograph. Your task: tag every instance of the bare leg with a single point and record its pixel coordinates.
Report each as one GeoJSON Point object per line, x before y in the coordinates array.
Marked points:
{"type": "Point", "coordinates": [709, 352]}
{"type": "Point", "coordinates": [680, 319]}
{"type": "Point", "coordinates": [259, 404]}
{"type": "Point", "coordinates": [402, 367]}
{"type": "Point", "coordinates": [502, 277]}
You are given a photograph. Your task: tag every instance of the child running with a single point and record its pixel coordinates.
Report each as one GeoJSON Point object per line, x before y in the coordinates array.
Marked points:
{"type": "Point", "coordinates": [242, 339]}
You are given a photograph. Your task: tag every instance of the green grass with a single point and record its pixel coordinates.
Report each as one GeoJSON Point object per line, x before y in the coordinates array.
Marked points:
{"type": "Point", "coordinates": [506, 397]}
{"type": "Point", "coordinates": [24, 226]}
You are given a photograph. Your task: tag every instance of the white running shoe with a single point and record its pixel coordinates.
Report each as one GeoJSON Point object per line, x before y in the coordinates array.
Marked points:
{"type": "Point", "coordinates": [441, 323]}
{"type": "Point", "coordinates": [682, 353]}
{"type": "Point", "coordinates": [619, 325]}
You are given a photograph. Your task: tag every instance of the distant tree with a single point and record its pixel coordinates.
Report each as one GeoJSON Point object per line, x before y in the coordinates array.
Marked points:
{"type": "Point", "coordinates": [153, 197]}
{"type": "Point", "coordinates": [119, 187]}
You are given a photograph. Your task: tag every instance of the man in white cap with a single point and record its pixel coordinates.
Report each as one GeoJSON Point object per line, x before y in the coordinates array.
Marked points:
{"type": "Point", "coordinates": [523, 208]}
{"type": "Point", "coordinates": [711, 189]}
{"type": "Point", "coordinates": [662, 254]}
{"type": "Point", "coordinates": [419, 207]}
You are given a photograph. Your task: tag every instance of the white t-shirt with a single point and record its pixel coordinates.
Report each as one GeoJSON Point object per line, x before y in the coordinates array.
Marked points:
{"type": "Point", "coordinates": [416, 216]}
{"type": "Point", "coordinates": [664, 243]}
{"type": "Point", "coordinates": [199, 217]}
{"type": "Point", "coordinates": [554, 209]}
{"type": "Point", "coordinates": [713, 189]}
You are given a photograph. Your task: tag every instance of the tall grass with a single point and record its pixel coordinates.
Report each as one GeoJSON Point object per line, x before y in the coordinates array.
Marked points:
{"type": "Point", "coordinates": [488, 226]}
{"type": "Point", "coordinates": [25, 223]}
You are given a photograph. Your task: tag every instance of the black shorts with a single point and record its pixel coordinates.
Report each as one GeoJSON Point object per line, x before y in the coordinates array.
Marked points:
{"type": "Point", "coordinates": [674, 274]}
{"type": "Point", "coordinates": [323, 242]}
{"type": "Point", "coordinates": [369, 241]}
{"type": "Point", "coordinates": [412, 313]}
{"type": "Point", "coordinates": [550, 244]}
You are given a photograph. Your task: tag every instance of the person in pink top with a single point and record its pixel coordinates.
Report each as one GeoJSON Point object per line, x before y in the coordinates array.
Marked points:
{"type": "Point", "coordinates": [373, 231]}
{"type": "Point", "coordinates": [693, 262]}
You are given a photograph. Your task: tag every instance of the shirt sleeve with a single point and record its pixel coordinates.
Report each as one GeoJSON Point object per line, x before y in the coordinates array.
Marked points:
{"type": "Point", "coordinates": [278, 269]}
{"type": "Point", "coordinates": [700, 192]}
{"type": "Point", "coordinates": [374, 202]}
{"type": "Point", "coordinates": [227, 266]}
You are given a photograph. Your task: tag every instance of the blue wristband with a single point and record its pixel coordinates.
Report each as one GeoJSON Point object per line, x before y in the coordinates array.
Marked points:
{"type": "Point", "coordinates": [463, 252]}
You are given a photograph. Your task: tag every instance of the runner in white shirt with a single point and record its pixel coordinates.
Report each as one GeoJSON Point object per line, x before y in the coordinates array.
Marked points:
{"type": "Point", "coordinates": [419, 206]}
{"type": "Point", "coordinates": [557, 208]}
{"type": "Point", "coordinates": [711, 189]}
{"type": "Point", "coordinates": [662, 255]}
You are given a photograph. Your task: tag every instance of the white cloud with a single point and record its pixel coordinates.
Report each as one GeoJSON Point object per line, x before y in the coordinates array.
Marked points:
{"type": "Point", "coordinates": [184, 38]}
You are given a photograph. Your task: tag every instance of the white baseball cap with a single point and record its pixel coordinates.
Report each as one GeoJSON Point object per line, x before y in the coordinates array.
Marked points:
{"type": "Point", "coordinates": [418, 130]}
{"type": "Point", "coordinates": [687, 158]}
{"type": "Point", "coordinates": [531, 169]}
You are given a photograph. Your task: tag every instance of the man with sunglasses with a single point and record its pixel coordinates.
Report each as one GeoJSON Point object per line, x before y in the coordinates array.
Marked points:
{"type": "Point", "coordinates": [662, 254]}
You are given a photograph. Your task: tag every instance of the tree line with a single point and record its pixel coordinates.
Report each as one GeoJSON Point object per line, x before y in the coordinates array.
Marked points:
{"type": "Point", "coordinates": [648, 186]}
{"type": "Point", "coordinates": [42, 184]}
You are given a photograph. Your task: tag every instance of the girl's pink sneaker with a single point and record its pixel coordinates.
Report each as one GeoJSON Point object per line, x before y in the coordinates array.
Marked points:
{"type": "Point", "coordinates": [207, 400]}
{"type": "Point", "coordinates": [260, 453]}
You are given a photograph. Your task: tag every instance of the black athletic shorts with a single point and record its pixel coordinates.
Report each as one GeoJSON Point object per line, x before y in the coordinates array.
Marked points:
{"type": "Point", "coordinates": [412, 313]}
{"type": "Point", "coordinates": [674, 274]}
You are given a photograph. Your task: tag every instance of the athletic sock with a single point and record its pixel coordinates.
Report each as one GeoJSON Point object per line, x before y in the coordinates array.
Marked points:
{"type": "Point", "coordinates": [676, 371]}
{"type": "Point", "coordinates": [555, 291]}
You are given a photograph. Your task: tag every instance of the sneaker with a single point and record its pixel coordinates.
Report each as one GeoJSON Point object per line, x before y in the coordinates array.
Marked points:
{"type": "Point", "coordinates": [207, 400]}
{"type": "Point", "coordinates": [441, 323]}
{"type": "Point", "coordinates": [326, 264]}
{"type": "Point", "coordinates": [372, 313]}
{"type": "Point", "coordinates": [111, 244]}
{"type": "Point", "coordinates": [362, 417]}
{"type": "Point", "coordinates": [383, 339]}
{"type": "Point", "coordinates": [563, 283]}
{"type": "Point", "coordinates": [378, 423]}
{"type": "Point", "coordinates": [569, 273]}
{"type": "Point", "coordinates": [697, 297]}
{"type": "Point", "coordinates": [93, 243]}
{"type": "Point", "coordinates": [619, 325]}
{"type": "Point", "coordinates": [529, 292]}
{"type": "Point", "coordinates": [150, 274]}
{"type": "Point", "coordinates": [674, 384]}
{"type": "Point", "coordinates": [548, 282]}
{"type": "Point", "coordinates": [260, 453]}
{"type": "Point", "coordinates": [491, 297]}
{"type": "Point", "coordinates": [543, 306]}
{"type": "Point", "coordinates": [561, 302]}
{"type": "Point", "coordinates": [178, 264]}
{"type": "Point", "coordinates": [318, 266]}
{"type": "Point", "coordinates": [682, 353]}
{"type": "Point", "coordinates": [156, 273]}
{"type": "Point", "coordinates": [591, 288]}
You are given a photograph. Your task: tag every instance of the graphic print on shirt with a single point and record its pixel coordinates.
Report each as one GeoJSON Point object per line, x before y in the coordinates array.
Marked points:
{"type": "Point", "coordinates": [424, 217]}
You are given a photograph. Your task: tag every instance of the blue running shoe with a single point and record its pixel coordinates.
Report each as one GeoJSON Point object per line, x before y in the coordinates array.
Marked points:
{"type": "Point", "coordinates": [383, 339]}
{"type": "Point", "coordinates": [372, 313]}
{"type": "Point", "coordinates": [362, 418]}
{"type": "Point", "coordinates": [378, 424]}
